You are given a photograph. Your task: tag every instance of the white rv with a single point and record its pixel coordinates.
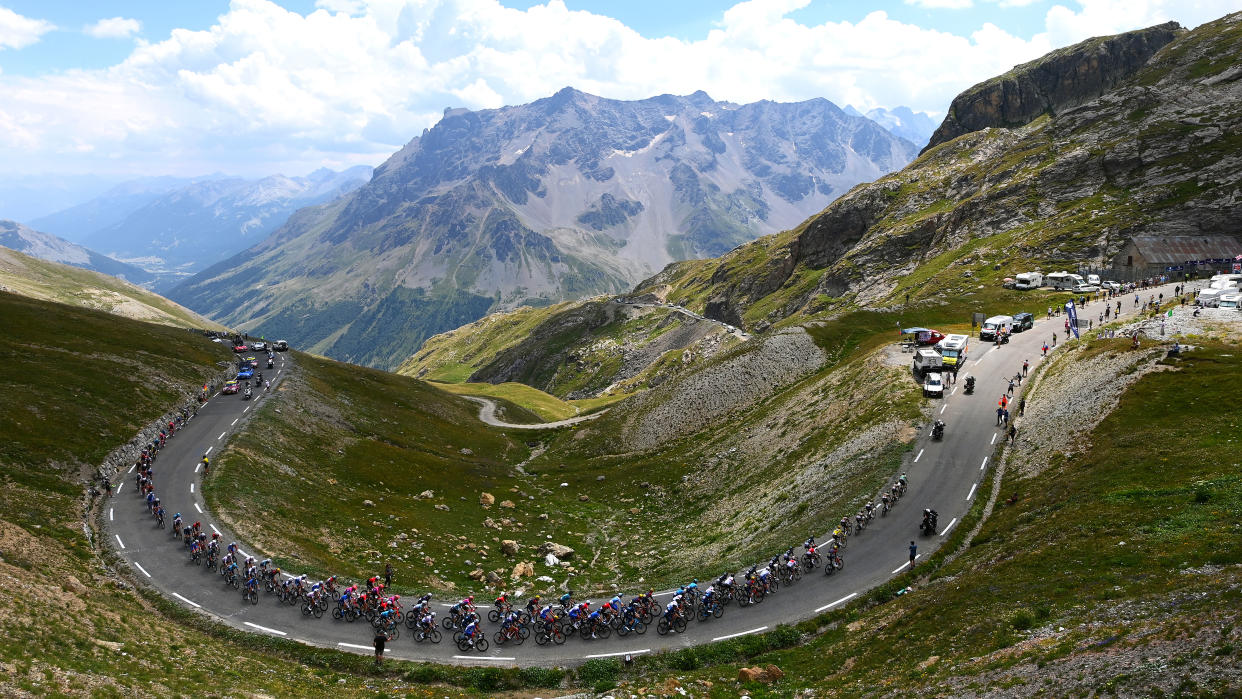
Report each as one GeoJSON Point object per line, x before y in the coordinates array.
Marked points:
{"type": "Point", "coordinates": [1064, 280]}
{"type": "Point", "coordinates": [1212, 295]}
{"type": "Point", "coordinates": [994, 326]}
{"type": "Point", "coordinates": [1233, 301]}
{"type": "Point", "coordinates": [953, 349]}
{"type": "Point", "coordinates": [1028, 280]}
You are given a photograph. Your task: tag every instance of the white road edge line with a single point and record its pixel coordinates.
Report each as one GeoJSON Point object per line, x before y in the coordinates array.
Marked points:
{"type": "Point", "coordinates": [482, 657]}
{"type": "Point", "coordinates": [111, 514]}
{"type": "Point", "coordinates": [662, 594]}
{"type": "Point", "coordinates": [221, 435]}
{"type": "Point", "coordinates": [118, 488]}
{"type": "Point", "coordinates": [993, 438]}
{"type": "Point", "coordinates": [740, 633]}
{"type": "Point", "coordinates": [972, 491]}
{"type": "Point", "coordinates": [905, 565]}
{"type": "Point", "coordinates": [139, 567]}
{"type": "Point", "coordinates": [264, 628]}
{"type": "Point", "coordinates": [943, 407]}
{"type": "Point", "coordinates": [954, 391]}
{"type": "Point", "coordinates": [118, 540]}
{"type": "Point", "coordinates": [234, 421]}
{"type": "Point", "coordinates": [353, 645]}
{"type": "Point", "coordinates": [131, 469]}
{"type": "Point", "coordinates": [213, 528]}
{"type": "Point", "coordinates": [916, 459]}
{"type": "Point", "coordinates": [949, 526]}
{"type": "Point", "coordinates": [247, 409]}
{"type": "Point", "coordinates": [984, 464]}
{"type": "Point", "coordinates": [197, 466]}
{"type": "Point", "coordinates": [830, 605]}
{"type": "Point", "coordinates": [192, 604]}
{"type": "Point", "coordinates": [613, 655]}
{"type": "Point", "coordinates": [208, 451]}
{"type": "Point", "coordinates": [191, 487]}
{"type": "Point", "coordinates": [200, 510]}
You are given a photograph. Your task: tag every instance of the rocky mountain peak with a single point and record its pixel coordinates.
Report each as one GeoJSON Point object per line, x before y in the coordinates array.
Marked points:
{"type": "Point", "coordinates": [1059, 80]}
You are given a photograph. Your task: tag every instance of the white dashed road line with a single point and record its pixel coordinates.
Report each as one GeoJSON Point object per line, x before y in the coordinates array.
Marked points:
{"type": "Point", "coordinates": [264, 628]}
{"type": "Point", "coordinates": [830, 605]}
{"type": "Point", "coordinates": [482, 657]}
{"type": "Point", "coordinates": [984, 464]}
{"type": "Point", "coordinates": [972, 491]}
{"type": "Point", "coordinates": [213, 528]}
{"type": "Point", "coordinates": [191, 487]}
{"type": "Point", "coordinates": [234, 421]}
{"type": "Point", "coordinates": [353, 645]}
{"type": "Point", "coordinates": [192, 604]}
{"type": "Point", "coordinates": [118, 540]}
{"type": "Point", "coordinates": [197, 466]}
{"type": "Point", "coordinates": [200, 510]}
{"type": "Point", "coordinates": [221, 436]}
{"type": "Point", "coordinates": [139, 567]}
{"type": "Point", "coordinates": [131, 469]}
{"type": "Point", "coordinates": [247, 409]}
{"type": "Point", "coordinates": [208, 451]}
{"type": "Point", "coordinates": [740, 633]}
{"type": "Point", "coordinates": [111, 515]}
{"type": "Point", "coordinates": [916, 459]}
{"type": "Point", "coordinates": [624, 652]}
{"type": "Point", "coordinates": [943, 407]}
{"type": "Point", "coordinates": [993, 438]}
{"type": "Point", "coordinates": [949, 526]}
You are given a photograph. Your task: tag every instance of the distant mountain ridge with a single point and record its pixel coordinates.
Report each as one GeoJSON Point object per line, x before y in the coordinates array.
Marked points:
{"type": "Point", "coordinates": [45, 246]}
{"type": "Point", "coordinates": [173, 227]}
{"type": "Point", "coordinates": [903, 122]}
{"type": "Point", "coordinates": [564, 197]}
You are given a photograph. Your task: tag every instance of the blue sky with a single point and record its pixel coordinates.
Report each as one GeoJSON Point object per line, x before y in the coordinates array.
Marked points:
{"type": "Point", "coordinates": [254, 87]}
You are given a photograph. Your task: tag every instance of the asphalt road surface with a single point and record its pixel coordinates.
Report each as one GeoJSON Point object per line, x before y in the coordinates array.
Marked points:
{"type": "Point", "coordinates": [946, 475]}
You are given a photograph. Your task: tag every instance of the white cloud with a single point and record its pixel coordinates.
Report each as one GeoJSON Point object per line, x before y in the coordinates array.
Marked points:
{"type": "Point", "coordinates": [113, 28]}
{"type": "Point", "coordinates": [267, 89]}
{"type": "Point", "coordinates": [943, 4]}
{"type": "Point", "coordinates": [17, 31]}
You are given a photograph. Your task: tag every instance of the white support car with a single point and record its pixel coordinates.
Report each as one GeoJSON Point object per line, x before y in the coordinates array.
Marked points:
{"type": "Point", "coordinates": [933, 385]}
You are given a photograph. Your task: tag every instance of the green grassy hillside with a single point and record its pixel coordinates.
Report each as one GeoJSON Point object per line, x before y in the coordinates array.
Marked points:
{"type": "Point", "coordinates": [51, 281]}
{"type": "Point", "coordinates": [1115, 572]}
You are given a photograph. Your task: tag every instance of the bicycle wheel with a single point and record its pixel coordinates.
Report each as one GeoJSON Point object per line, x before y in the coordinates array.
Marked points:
{"type": "Point", "coordinates": [718, 611]}
{"type": "Point", "coordinates": [640, 627]}
{"type": "Point", "coordinates": [499, 638]}
{"type": "Point", "coordinates": [662, 627]}
{"type": "Point", "coordinates": [254, 598]}
{"type": "Point", "coordinates": [493, 615]}
{"type": "Point", "coordinates": [602, 631]}
{"type": "Point", "coordinates": [317, 612]}
{"type": "Point", "coordinates": [542, 638]}
{"type": "Point", "coordinates": [524, 632]}
{"type": "Point", "coordinates": [463, 645]}
{"type": "Point", "coordinates": [336, 613]}
{"type": "Point", "coordinates": [481, 645]}
{"type": "Point", "coordinates": [434, 635]}
{"type": "Point", "coordinates": [679, 625]}
{"type": "Point", "coordinates": [557, 637]}
{"type": "Point", "coordinates": [797, 573]}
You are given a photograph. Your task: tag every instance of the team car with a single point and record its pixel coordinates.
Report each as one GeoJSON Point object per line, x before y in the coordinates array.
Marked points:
{"type": "Point", "coordinates": [230, 386]}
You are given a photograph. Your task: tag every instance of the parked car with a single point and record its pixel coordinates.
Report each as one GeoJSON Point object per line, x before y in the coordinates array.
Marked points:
{"type": "Point", "coordinates": [1112, 286]}
{"type": "Point", "coordinates": [230, 386]}
{"type": "Point", "coordinates": [1093, 279]}
{"type": "Point", "coordinates": [1085, 288]}
{"type": "Point", "coordinates": [1023, 321]}
{"type": "Point", "coordinates": [933, 385]}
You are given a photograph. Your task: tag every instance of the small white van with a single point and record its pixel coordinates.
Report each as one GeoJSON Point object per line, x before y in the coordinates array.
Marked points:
{"type": "Point", "coordinates": [994, 325]}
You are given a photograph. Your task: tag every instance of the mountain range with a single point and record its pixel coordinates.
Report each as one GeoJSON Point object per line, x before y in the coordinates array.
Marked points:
{"type": "Point", "coordinates": [561, 198]}
{"type": "Point", "coordinates": [903, 122]}
{"type": "Point", "coordinates": [44, 246]}
{"type": "Point", "coordinates": [173, 227]}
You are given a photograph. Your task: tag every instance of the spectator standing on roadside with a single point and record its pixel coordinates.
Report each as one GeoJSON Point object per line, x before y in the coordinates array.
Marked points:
{"type": "Point", "coordinates": [380, 640]}
{"type": "Point", "coordinates": [1006, 417]}
{"type": "Point", "coordinates": [1010, 391]}
{"type": "Point", "coordinates": [1026, 366]}
{"type": "Point", "coordinates": [914, 553]}
{"type": "Point", "coordinates": [388, 575]}
{"type": "Point", "coordinates": [1021, 407]}
{"type": "Point", "coordinates": [1045, 349]}
{"type": "Point", "coordinates": [999, 413]}
{"type": "Point", "coordinates": [1013, 434]}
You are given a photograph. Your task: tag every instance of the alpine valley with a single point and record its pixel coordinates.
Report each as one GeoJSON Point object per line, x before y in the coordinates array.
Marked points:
{"type": "Point", "coordinates": [562, 198]}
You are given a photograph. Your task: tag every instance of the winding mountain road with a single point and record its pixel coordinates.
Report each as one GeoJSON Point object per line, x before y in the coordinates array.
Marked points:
{"type": "Point", "coordinates": [945, 475]}
{"type": "Point", "coordinates": [487, 415]}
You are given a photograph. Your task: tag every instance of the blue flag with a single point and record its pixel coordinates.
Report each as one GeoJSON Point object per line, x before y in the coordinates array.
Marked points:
{"type": "Point", "coordinates": [1073, 317]}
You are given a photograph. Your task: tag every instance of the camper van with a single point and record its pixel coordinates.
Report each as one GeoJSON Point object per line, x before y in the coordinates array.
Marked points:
{"type": "Point", "coordinates": [1212, 295]}
{"type": "Point", "coordinates": [1093, 279]}
{"type": "Point", "coordinates": [1064, 280]}
{"type": "Point", "coordinates": [926, 360]}
{"type": "Point", "coordinates": [1233, 301]}
{"type": "Point", "coordinates": [1028, 280]}
{"type": "Point", "coordinates": [953, 350]}
{"type": "Point", "coordinates": [995, 325]}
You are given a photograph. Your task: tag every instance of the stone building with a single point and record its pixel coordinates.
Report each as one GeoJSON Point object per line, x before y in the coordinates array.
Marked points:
{"type": "Point", "coordinates": [1198, 255]}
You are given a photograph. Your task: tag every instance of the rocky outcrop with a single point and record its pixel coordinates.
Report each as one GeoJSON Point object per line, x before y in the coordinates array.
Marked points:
{"type": "Point", "coordinates": [1065, 78]}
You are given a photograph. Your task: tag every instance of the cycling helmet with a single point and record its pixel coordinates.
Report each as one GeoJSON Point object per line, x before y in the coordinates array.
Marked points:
{"type": "Point", "coordinates": [470, 598]}
{"type": "Point", "coordinates": [178, 515]}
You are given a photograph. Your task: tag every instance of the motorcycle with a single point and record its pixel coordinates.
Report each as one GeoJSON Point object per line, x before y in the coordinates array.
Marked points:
{"type": "Point", "coordinates": [970, 384]}
{"type": "Point", "coordinates": [928, 526]}
{"type": "Point", "coordinates": [246, 395]}
{"type": "Point", "coordinates": [938, 430]}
